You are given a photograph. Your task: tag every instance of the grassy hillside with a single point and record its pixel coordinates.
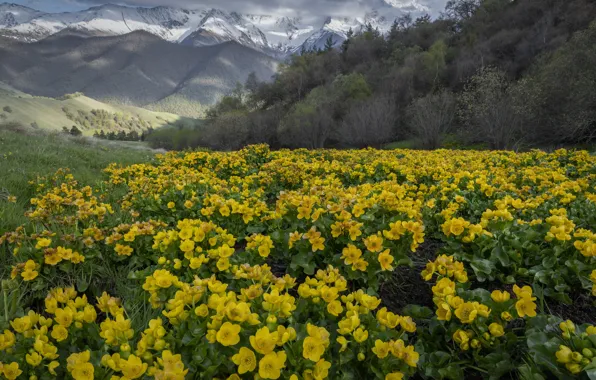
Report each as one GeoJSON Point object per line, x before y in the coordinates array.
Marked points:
{"type": "Point", "coordinates": [24, 156]}
{"type": "Point", "coordinates": [48, 113]}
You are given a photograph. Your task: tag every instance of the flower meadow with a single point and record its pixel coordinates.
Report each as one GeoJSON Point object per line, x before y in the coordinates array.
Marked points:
{"type": "Point", "coordinates": [308, 265]}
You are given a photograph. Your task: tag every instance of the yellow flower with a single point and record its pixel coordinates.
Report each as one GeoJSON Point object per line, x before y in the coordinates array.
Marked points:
{"type": "Point", "coordinates": [408, 324]}
{"type": "Point", "coordinates": [443, 312]}
{"type": "Point", "coordinates": [271, 364]}
{"type": "Point", "coordinates": [567, 327]}
{"type": "Point", "coordinates": [444, 287]}
{"type": "Point", "coordinates": [466, 312]}
{"type": "Point", "coordinates": [11, 371]}
{"type": "Point", "coordinates": [385, 259]}
{"type": "Point", "coordinates": [264, 341]}
{"type": "Point", "coordinates": [246, 360]}
{"type": "Point", "coordinates": [42, 243]}
{"type": "Point", "coordinates": [374, 243]}
{"type": "Point", "coordinates": [33, 359]}
{"type": "Point", "coordinates": [187, 246]}
{"type": "Point", "coordinates": [171, 205]}
{"type": "Point", "coordinates": [321, 370]}
{"type": "Point", "coordinates": [335, 308]}
{"type": "Point", "coordinates": [381, 349]}
{"type": "Point", "coordinates": [496, 330]}
{"type": "Point", "coordinates": [133, 367]}
{"type": "Point", "coordinates": [351, 254]}
{"type": "Point", "coordinates": [506, 316]}
{"type": "Point", "coordinates": [564, 354]}
{"type": "Point", "coordinates": [52, 367]}
{"type": "Point", "coordinates": [524, 292]}
{"type": "Point", "coordinates": [394, 376]}
{"type": "Point", "coordinates": [525, 306]}
{"type": "Point", "coordinates": [228, 334]}
{"type": "Point", "coordinates": [343, 342]}
{"type": "Point", "coordinates": [59, 332]}
{"type": "Point", "coordinates": [360, 265]}
{"type": "Point", "coordinates": [500, 296]}
{"type": "Point", "coordinates": [29, 275]}
{"type": "Point", "coordinates": [313, 348]}
{"type": "Point", "coordinates": [83, 371]}
{"type": "Point", "coordinates": [410, 356]}
{"type": "Point", "coordinates": [462, 338]}
{"type": "Point", "coordinates": [123, 250]}
{"type": "Point", "coordinates": [317, 244]}
{"type": "Point", "coordinates": [360, 335]}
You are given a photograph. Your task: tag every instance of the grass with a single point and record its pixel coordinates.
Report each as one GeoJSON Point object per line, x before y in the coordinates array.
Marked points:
{"type": "Point", "coordinates": [26, 155]}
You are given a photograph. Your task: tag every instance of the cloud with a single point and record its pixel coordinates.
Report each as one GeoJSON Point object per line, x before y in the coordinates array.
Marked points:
{"type": "Point", "coordinates": [288, 7]}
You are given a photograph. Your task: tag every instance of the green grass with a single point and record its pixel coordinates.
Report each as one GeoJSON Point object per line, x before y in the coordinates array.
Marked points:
{"type": "Point", "coordinates": [26, 155]}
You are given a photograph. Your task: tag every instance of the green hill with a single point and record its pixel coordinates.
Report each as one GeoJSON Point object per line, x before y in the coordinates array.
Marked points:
{"type": "Point", "coordinates": [53, 114]}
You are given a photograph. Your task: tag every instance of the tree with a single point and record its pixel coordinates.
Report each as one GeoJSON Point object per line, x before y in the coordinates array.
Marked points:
{"type": "Point", "coordinates": [7, 109]}
{"type": "Point", "coordinates": [226, 104]}
{"type": "Point", "coordinates": [346, 44]}
{"type": "Point", "coordinates": [309, 123]}
{"type": "Point", "coordinates": [306, 126]}
{"type": "Point", "coordinates": [252, 83]}
{"type": "Point", "coordinates": [559, 97]}
{"type": "Point", "coordinates": [75, 131]}
{"type": "Point", "coordinates": [370, 122]}
{"type": "Point", "coordinates": [228, 131]}
{"type": "Point", "coordinates": [461, 9]}
{"type": "Point", "coordinates": [431, 117]}
{"type": "Point", "coordinates": [488, 110]}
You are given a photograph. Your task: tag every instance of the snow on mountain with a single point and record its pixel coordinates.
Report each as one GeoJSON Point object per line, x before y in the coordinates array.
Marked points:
{"type": "Point", "coordinates": [12, 15]}
{"type": "Point", "coordinates": [276, 36]}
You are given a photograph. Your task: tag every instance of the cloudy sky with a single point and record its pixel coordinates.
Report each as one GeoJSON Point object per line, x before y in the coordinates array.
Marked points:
{"type": "Point", "coordinates": [287, 7]}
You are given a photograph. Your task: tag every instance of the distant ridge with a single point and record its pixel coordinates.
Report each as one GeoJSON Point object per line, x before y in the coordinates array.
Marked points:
{"type": "Point", "coordinates": [138, 67]}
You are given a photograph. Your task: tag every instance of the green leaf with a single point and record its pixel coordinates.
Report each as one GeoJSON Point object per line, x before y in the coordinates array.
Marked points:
{"type": "Point", "coordinates": [498, 254]}
{"type": "Point", "coordinates": [418, 312]}
{"type": "Point", "coordinates": [82, 285]}
{"type": "Point", "coordinates": [452, 371]}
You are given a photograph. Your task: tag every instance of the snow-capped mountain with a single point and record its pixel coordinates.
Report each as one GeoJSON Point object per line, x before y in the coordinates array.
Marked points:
{"type": "Point", "coordinates": [274, 35]}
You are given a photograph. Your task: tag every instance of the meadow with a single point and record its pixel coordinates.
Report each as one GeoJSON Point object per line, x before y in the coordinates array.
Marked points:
{"type": "Point", "coordinates": [386, 264]}
{"type": "Point", "coordinates": [26, 154]}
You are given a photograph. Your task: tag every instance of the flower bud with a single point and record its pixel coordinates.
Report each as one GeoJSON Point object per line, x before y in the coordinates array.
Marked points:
{"type": "Point", "coordinates": [576, 357]}
{"type": "Point", "coordinates": [361, 356]}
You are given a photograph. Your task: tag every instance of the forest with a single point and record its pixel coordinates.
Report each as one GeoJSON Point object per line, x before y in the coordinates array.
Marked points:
{"type": "Point", "coordinates": [496, 74]}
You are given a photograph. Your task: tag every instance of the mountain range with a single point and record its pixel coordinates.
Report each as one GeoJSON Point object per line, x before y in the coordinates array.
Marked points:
{"type": "Point", "coordinates": [138, 68]}
{"type": "Point", "coordinates": [163, 56]}
{"type": "Point", "coordinates": [276, 36]}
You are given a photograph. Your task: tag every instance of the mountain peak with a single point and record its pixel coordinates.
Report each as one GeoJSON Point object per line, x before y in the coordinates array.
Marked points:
{"type": "Point", "coordinates": [273, 35]}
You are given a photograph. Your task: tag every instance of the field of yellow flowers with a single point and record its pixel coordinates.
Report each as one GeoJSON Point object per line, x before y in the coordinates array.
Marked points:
{"type": "Point", "coordinates": [308, 265]}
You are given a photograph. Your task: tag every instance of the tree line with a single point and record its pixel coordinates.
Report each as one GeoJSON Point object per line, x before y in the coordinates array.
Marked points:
{"type": "Point", "coordinates": [498, 73]}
